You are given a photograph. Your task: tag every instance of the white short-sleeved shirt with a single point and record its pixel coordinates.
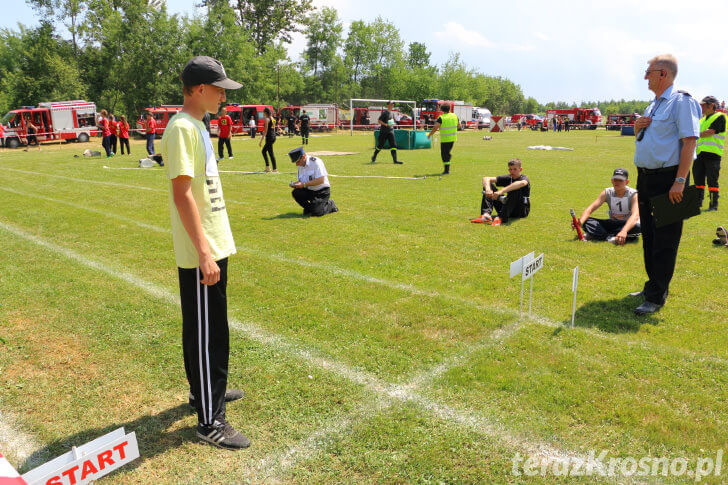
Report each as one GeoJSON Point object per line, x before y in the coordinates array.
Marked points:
{"type": "Point", "coordinates": [313, 169]}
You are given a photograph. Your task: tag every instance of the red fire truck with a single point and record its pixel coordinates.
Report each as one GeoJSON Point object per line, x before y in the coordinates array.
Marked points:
{"type": "Point", "coordinates": [241, 114]}
{"type": "Point", "coordinates": [161, 114]}
{"type": "Point", "coordinates": [532, 121]}
{"type": "Point", "coordinates": [55, 121]}
{"type": "Point", "coordinates": [615, 122]}
{"type": "Point", "coordinates": [430, 111]}
{"type": "Point", "coordinates": [579, 118]}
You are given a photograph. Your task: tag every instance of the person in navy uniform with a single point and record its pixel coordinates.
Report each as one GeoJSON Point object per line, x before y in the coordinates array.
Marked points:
{"type": "Point", "coordinates": [665, 142]}
{"type": "Point", "coordinates": [312, 190]}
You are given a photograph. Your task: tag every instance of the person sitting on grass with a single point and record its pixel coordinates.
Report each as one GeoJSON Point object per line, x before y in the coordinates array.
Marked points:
{"type": "Point", "coordinates": [312, 191]}
{"type": "Point", "coordinates": [721, 237]}
{"type": "Point", "coordinates": [511, 202]}
{"type": "Point", "coordinates": [624, 214]}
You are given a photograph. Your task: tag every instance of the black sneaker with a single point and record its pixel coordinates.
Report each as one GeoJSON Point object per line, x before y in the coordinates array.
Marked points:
{"type": "Point", "coordinates": [230, 395]}
{"type": "Point", "coordinates": [222, 434]}
{"type": "Point", "coordinates": [398, 162]}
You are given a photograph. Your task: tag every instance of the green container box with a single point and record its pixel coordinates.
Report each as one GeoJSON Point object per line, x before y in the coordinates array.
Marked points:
{"type": "Point", "coordinates": [401, 138]}
{"type": "Point", "coordinates": [418, 139]}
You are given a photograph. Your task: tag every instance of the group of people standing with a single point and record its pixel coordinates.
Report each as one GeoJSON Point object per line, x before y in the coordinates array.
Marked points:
{"type": "Point", "coordinates": [113, 133]}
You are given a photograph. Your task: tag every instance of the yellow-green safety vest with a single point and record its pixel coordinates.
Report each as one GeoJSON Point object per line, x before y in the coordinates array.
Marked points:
{"type": "Point", "coordinates": [449, 127]}
{"type": "Point", "coordinates": [715, 143]}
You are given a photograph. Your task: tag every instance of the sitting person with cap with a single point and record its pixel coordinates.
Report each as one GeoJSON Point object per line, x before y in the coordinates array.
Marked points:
{"type": "Point", "coordinates": [624, 214]}
{"type": "Point", "coordinates": [312, 190]}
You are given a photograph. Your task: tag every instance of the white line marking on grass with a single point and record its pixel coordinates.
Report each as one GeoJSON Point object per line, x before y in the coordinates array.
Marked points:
{"type": "Point", "coordinates": [273, 466]}
{"type": "Point", "coordinates": [282, 344]}
{"type": "Point", "coordinates": [19, 446]}
{"type": "Point", "coordinates": [335, 270]}
{"type": "Point", "coordinates": [128, 220]}
{"type": "Point", "coordinates": [86, 181]}
{"type": "Point", "coordinates": [330, 175]}
{"type": "Point", "coordinates": [102, 182]}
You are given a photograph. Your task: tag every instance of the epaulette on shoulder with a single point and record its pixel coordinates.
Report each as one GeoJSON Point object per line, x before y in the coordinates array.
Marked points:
{"type": "Point", "coordinates": [684, 92]}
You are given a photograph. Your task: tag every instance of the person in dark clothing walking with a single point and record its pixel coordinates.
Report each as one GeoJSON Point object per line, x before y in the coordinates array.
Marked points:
{"type": "Point", "coordinates": [269, 135]}
{"type": "Point", "coordinates": [386, 134]}
{"type": "Point", "coordinates": [304, 124]}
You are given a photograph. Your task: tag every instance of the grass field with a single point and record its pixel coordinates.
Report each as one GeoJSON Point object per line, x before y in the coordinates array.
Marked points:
{"type": "Point", "coordinates": [381, 344]}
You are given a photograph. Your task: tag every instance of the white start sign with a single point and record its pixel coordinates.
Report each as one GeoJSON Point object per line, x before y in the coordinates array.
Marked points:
{"type": "Point", "coordinates": [88, 462]}
{"type": "Point", "coordinates": [532, 267]}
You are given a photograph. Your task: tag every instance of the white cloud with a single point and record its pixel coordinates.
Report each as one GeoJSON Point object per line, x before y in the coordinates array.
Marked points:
{"type": "Point", "coordinates": [460, 36]}
{"type": "Point", "coordinates": [541, 36]}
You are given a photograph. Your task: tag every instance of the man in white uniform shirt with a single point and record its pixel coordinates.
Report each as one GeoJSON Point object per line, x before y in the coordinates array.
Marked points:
{"type": "Point", "coordinates": [624, 214]}
{"type": "Point", "coordinates": [312, 191]}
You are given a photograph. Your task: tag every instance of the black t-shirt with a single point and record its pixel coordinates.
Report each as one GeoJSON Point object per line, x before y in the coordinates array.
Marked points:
{"type": "Point", "coordinates": [525, 192]}
{"type": "Point", "coordinates": [718, 125]}
{"type": "Point", "coordinates": [305, 120]}
{"type": "Point", "coordinates": [291, 120]}
{"type": "Point", "coordinates": [385, 117]}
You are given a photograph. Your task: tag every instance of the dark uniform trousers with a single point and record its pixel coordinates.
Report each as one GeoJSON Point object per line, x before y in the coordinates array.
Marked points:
{"type": "Point", "coordinates": [222, 143]}
{"type": "Point", "coordinates": [314, 202]}
{"type": "Point", "coordinates": [659, 244]}
{"type": "Point", "coordinates": [304, 135]}
{"type": "Point", "coordinates": [514, 206]}
{"type": "Point", "coordinates": [205, 340]}
{"type": "Point", "coordinates": [445, 149]}
{"type": "Point", "coordinates": [601, 229]}
{"type": "Point", "coordinates": [706, 166]}
{"type": "Point", "coordinates": [384, 138]}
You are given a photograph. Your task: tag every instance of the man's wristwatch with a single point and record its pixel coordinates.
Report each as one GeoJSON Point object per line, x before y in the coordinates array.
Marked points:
{"type": "Point", "coordinates": [680, 180]}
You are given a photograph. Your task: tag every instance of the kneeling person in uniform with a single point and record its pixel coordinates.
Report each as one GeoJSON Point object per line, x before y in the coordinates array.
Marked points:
{"type": "Point", "coordinates": [624, 214]}
{"type": "Point", "coordinates": [312, 190]}
{"type": "Point", "coordinates": [511, 202]}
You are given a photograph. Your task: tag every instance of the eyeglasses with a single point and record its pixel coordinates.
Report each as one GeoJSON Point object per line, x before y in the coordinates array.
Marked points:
{"type": "Point", "coordinates": [648, 71]}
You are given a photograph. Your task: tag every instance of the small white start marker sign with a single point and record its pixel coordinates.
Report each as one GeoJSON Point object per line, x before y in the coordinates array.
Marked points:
{"type": "Point", "coordinates": [532, 267]}
{"type": "Point", "coordinates": [88, 462]}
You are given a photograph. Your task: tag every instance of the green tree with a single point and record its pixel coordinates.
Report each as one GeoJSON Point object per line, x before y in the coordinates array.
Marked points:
{"type": "Point", "coordinates": [268, 21]}
{"type": "Point", "coordinates": [323, 33]}
{"type": "Point", "coordinates": [418, 57]}
{"type": "Point", "coordinates": [38, 69]}
{"type": "Point", "coordinates": [70, 12]}
{"type": "Point", "coordinates": [358, 50]}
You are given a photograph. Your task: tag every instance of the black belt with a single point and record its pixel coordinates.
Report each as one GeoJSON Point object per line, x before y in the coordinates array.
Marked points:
{"type": "Point", "coordinates": [673, 168]}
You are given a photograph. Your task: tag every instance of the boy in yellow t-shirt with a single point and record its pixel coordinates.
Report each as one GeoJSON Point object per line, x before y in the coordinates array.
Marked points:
{"type": "Point", "coordinates": [202, 243]}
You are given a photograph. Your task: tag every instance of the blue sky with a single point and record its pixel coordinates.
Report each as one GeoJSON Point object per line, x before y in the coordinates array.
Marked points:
{"type": "Point", "coordinates": [556, 50]}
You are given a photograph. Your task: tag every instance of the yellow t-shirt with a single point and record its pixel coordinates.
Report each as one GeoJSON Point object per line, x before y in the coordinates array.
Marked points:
{"type": "Point", "coordinates": [187, 150]}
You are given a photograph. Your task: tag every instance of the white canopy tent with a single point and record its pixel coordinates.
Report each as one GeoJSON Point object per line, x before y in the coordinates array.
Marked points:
{"type": "Point", "coordinates": [395, 101]}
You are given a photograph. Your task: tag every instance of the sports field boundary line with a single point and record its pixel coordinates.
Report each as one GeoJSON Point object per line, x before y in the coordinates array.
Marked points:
{"type": "Point", "coordinates": [307, 448]}
{"type": "Point", "coordinates": [619, 338]}
{"type": "Point", "coordinates": [18, 445]}
{"type": "Point", "coordinates": [244, 172]}
{"type": "Point", "coordinates": [282, 344]}
{"type": "Point", "coordinates": [103, 182]}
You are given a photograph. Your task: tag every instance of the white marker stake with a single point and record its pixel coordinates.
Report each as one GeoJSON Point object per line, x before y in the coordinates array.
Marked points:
{"type": "Point", "coordinates": [529, 269]}
{"type": "Point", "coordinates": [517, 268]}
{"type": "Point", "coordinates": [574, 285]}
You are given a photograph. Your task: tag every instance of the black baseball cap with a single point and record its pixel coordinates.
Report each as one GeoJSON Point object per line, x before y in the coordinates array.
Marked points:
{"type": "Point", "coordinates": [710, 100]}
{"type": "Point", "coordinates": [206, 70]}
{"type": "Point", "coordinates": [620, 174]}
{"type": "Point", "coordinates": [296, 154]}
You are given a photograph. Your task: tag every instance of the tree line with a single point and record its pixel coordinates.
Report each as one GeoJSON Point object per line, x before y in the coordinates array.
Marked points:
{"type": "Point", "coordinates": [127, 54]}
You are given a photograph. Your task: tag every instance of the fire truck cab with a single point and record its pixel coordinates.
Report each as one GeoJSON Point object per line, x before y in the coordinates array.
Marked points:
{"type": "Point", "coordinates": [161, 114]}
{"type": "Point", "coordinates": [54, 121]}
{"type": "Point", "coordinates": [579, 118]}
{"type": "Point", "coordinates": [430, 111]}
{"type": "Point", "coordinates": [241, 114]}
